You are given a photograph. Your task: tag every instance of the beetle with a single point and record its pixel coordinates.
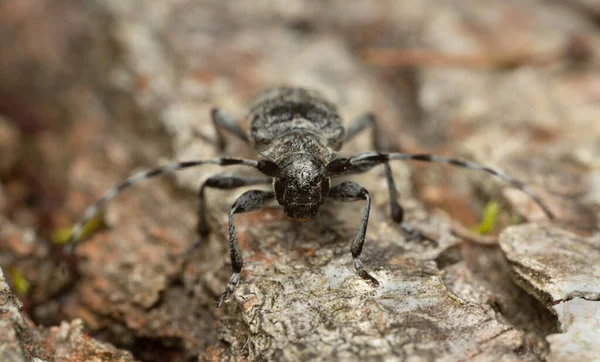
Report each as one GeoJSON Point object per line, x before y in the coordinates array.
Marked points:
{"type": "Point", "coordinates": [298, 134]}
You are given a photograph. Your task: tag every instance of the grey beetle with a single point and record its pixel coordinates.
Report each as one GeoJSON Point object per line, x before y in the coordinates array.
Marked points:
{"type": "Point", "coordinates": [298, 134]}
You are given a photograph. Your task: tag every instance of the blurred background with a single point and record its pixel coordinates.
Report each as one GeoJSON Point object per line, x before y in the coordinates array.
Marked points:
{"type": "Point", "coordinates": [92, 90]}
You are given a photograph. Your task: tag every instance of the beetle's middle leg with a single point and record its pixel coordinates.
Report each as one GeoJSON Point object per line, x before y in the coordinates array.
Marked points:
{"type": "Point", "coordinates": [351, 191]}
{"type": "Point", "coordinates": [397, 212]}
{"type": "Point", "coordinates": [249, 201]}
{"type": "Point", "coordinates": [223, 181]}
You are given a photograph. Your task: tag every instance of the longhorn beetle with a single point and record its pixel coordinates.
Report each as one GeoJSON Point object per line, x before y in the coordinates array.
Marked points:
{"type": "Point", "coordinates": [298, 133]}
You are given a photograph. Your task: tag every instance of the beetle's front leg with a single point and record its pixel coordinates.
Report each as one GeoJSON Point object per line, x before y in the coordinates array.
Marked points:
{"type": "Point", "coordinates": [351, 191]}
{"type": "Point", "coordinates": [224, 181]}
{"type": "Point", "coordinates": [249, 201]}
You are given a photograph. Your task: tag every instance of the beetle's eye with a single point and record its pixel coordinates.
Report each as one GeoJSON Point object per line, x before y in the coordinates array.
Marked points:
{"type": "Point", "coordinates": [269, 168]}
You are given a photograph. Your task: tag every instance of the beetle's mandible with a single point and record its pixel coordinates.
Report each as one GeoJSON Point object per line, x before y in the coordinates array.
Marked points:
{"type": "Point", "coordinates": [298, 134]}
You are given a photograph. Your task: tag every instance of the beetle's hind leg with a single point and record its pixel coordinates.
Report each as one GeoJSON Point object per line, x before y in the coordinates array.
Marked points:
{"type": "Point", "coordinates": [224, 121]}
{"type": "Point", "coordinates": [397, 212]}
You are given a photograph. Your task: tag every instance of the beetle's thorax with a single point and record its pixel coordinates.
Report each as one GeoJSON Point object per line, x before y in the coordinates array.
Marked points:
{"type": "Point", "coordinates": [283, 148]}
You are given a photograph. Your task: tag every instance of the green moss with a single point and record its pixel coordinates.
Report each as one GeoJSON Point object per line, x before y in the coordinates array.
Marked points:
{"type": "Point", "coordinates": [490, 217]}
{"type": "Point", "coordinates": [20, 283]}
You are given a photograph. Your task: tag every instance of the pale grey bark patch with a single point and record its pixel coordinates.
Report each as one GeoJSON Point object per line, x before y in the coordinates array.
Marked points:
{"type": "Point", "coordinates": [562, 270]}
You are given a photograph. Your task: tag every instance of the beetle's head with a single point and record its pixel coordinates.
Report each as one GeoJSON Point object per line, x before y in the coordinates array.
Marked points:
{"type": "Point", "coordinates": [301, 186]}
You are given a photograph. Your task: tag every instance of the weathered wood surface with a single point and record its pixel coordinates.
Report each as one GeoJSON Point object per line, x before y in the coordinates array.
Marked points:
{"type": "Point", "coordinates": [128, 85]}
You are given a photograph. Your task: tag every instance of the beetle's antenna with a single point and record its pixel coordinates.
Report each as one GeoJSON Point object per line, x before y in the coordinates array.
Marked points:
{"type": "Point", "coordinates": [367, 160]}
{"type": "Point", "coordinates": [115, 191]}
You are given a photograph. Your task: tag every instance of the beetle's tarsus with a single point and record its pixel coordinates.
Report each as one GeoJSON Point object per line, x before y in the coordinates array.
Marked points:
{"type": "Point", "coordinates": [368, 277]}
{"type": "Point", "coordinates": [413, 234]}
{"type": "Point", "coordinates": [223, 298]}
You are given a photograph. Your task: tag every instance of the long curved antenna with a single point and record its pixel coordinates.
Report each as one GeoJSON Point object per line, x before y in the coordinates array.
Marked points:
{"type": "Point", "coordinates": [263, 166]}
{"type": "Point", "coordinates": [365, 161]}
